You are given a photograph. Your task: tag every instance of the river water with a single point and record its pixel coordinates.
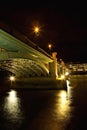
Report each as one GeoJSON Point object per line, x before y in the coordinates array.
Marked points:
{"type": "Point", "coordinates": [24, 109]}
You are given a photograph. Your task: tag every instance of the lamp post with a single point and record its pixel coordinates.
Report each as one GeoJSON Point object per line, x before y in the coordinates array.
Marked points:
{"type": "Point", "coordinates": [12, 78]}
{"type": "Point", "coordinates": [50, 47]}
{"type": "Point", "coordinates": [36, 30]}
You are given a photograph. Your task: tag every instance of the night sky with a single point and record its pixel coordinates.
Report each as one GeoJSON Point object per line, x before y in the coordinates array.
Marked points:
{"type": "Point", "coordinates": [63, 25]}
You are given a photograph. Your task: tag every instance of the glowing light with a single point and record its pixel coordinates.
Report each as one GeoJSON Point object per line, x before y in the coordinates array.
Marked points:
{"type": "Point", "coordinates": [67, 73]}
{"type": "Point", "coordinates": [68, 83]}
{"type": "Point", "coordinates": [50, 46]}
{"type": "Point", "coordinates": [63, 94]}
{"type": "Point", "coordinates": [12, 78]}
{"type": "Point", "coordinates": [69, 89]}
{"type": "Point", "coordinates": [62, 76]}
{"type": "Point", "coordinates": [36, 29]}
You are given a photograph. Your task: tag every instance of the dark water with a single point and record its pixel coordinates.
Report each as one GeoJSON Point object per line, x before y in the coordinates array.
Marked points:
{"type": "Point", "coordinates": [26, 109]}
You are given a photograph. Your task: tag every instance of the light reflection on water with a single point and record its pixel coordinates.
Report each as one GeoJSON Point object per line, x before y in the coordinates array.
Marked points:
{"type": "Point", "coordinates": [62, 105]}
{"type": "Point", "coordinates": [62, 109]}
{"type": "Point", "coordinates": [12, 109]}
{"type": "Point", "coordinates": [43, 110]}
{"type": "Point", "coordinates": [69, 90]}
{"type": "Point", "coordinates": [63, 102]}
{"type": "Point", "coordinates": [54, 116]}
{"type": "Point", "coordinates": [58, 113]}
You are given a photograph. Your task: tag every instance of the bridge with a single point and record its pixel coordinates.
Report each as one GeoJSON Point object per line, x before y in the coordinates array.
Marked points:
{"type": "Point", "coordinates": [24, 59]}
{"type": "Point", "coordinates": [21, 59]}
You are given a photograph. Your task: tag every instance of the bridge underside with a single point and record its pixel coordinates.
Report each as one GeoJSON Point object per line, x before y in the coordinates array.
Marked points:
{"type": "Point", "coordinates": [23, 68]}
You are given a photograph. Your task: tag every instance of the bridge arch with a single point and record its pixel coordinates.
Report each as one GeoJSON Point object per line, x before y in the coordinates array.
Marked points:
{"type": "Point", "coordinates": [22, 59]}
{"type": "Point", "coordinates": [24, 67]}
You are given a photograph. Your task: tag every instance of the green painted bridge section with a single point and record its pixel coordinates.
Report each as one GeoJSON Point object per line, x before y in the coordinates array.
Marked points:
{"type": "Point", "coordinates": [22, 59]}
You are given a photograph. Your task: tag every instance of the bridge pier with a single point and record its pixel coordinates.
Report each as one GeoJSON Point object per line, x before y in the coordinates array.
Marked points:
{"type": "Point", "coordinates": [53, 66]}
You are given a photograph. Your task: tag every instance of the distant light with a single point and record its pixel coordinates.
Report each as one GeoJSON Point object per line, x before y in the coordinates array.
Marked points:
{"type": "Point", "coordinates": [12, 78]}
{"type": "Point", "coordinates": [36, 29]}
{"type": "Point", "coordinates": [50, 46]}
{"type": "Point", "coordinates": [62, 76]}
{"type": "Point", "coordinates": [67, 73]}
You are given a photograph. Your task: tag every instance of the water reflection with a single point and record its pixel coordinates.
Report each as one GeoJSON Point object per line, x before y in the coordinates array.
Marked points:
{"type": "Point", "coordinates": [43, 110]}
{"type": "Point", "coordinates": [62, 105]}
{"type": "Point", "coordinates": [12, 108]}
{"type": "Point", "coordinates": [63, 110]}
{"type": "Point", "coordinates": [69, 90]}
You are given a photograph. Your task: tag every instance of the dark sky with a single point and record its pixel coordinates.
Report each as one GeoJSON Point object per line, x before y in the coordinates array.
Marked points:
{"type": "Point", "coordinates": [64, 25]}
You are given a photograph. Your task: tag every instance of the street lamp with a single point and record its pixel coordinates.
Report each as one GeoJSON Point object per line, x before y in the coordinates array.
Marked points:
{"type": "Point", "coordinates": [12, 78]}
{"type": "Point", "coordinates": [50, 47]}
{"type": "Point", "coordinates": [36, 30]}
